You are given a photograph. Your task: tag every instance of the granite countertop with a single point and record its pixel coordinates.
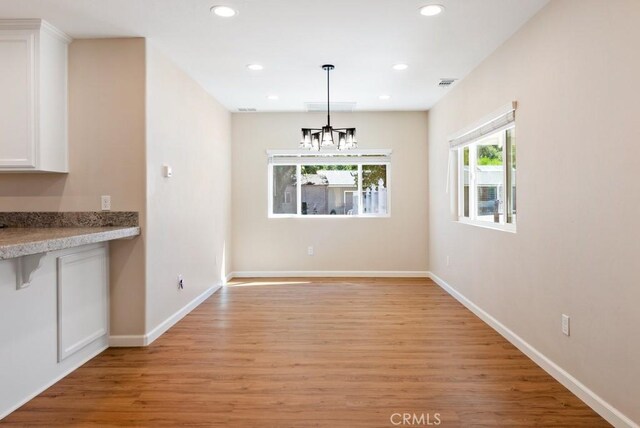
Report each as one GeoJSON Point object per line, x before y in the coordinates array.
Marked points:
{"type": "Point", "coordinates": [24, 241]}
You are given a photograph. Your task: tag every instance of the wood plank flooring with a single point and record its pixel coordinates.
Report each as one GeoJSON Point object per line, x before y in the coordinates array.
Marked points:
{"type": "Point", "coordinates": [315, 353]}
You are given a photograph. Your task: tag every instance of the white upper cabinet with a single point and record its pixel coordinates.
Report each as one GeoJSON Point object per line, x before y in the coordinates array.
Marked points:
{"type": "Point", "coordinates": [33, 96]}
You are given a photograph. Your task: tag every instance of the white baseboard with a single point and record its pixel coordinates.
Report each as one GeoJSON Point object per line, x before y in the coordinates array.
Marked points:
{"type": "Point", "coordinates": [52, 382]}
{"type": "Point", "coordinates": [173, 319]}
{"type": "Point", "coordinates": [593, 400]}
{"type": "Point", "coordinates": [147, 339]}
{"type": "Point", "coordinates": [332, 274]}
{"type": "Point", "coordinates": [228, 278]}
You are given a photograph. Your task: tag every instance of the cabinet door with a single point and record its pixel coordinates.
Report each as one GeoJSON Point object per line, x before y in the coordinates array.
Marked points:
{"type": "Point", "coordinates": [17, 99]}
{"type": "Point", "coordinates": [82, 299]}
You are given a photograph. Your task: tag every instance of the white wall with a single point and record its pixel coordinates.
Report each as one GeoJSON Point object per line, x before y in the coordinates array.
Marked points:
{"type": "Point", "coordinates": [188, 221]}
{"type": "Point", "coordinates": [573, 70]}
{"type": "Point", "coordinates": [398, 243]}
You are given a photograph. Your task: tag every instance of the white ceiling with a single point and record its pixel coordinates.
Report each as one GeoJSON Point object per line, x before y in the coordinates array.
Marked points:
{"type": "Point", "coordinates": [292, 38]}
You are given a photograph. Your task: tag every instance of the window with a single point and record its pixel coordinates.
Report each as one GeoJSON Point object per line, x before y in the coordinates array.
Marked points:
{"type": "Point", "coordinates": [307, 184]}
{"type": "Point", "coordinates": [486, 171]}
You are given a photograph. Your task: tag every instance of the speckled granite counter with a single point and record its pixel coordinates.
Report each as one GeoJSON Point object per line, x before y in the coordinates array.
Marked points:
{"type": "Point", "coordinates": [17, 242]}
{"type": "Point", "coordinates": [69, 219]}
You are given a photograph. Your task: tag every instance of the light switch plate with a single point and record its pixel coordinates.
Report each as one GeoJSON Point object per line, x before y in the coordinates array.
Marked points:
{"type": "Point", "coordinates": [565, 324]}
{"type": "Point", "coordinates": [106, 203]}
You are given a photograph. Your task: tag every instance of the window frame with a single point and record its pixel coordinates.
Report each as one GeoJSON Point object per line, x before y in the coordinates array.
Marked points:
{"type": "Point", "coordinates": [506, 224]}
{"type": "Point", "coordinates": [299, 158]}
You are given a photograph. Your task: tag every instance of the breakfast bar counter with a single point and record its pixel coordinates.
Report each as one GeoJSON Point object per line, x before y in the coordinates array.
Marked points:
{"type": "Point", "coordinates": [24, 241]}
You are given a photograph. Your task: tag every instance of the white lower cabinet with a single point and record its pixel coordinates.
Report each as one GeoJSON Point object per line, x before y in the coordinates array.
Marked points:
{"type": "Point", "coordinates": [55, 324]}
{"type": "Point", "coordinates": [82, 299]}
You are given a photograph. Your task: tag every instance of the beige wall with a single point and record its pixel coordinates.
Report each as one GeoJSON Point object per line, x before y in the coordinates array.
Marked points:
{"type": "Point", "coordinates": [398, 243]}
{"type": "Point", "coordinates": [106, 157]}
{"type": "Point", "coordinates": [188, 221]}
{"type": "Point", "coordinates": [131, 111]}
{"type": "Point", "coordinates": [573, 70]}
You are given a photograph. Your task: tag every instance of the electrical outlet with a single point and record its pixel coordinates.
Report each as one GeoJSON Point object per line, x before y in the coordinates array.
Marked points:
{"type": "Point", "coordinates": [106, 202]}
{"type": "Point", "coordinates": [565, 324]}
{"type": "Point", "coordinates": [310, 251]}
{"type": "Point", "coordinates": [180, 282]}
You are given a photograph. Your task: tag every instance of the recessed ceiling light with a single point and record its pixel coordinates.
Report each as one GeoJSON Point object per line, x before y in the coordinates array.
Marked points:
{"type": "Point", "coordinates": [255, 67]}
{"type": "Point", "coordinates": [272, 97]}
{"type": "Point", "coordinates": [224, 11]}
{"type": "Point", "coordinates": [431, 10]}
{"type": "Point", "coordinates": [400, 67]}
{"type": "Point", "coordinates": [384, 97]}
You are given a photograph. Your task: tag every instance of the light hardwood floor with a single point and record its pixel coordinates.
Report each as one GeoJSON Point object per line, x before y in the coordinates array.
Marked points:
{"type": "Point", "coordinates": [315, 352]}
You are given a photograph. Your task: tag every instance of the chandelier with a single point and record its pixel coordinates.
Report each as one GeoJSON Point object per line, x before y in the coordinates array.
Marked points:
{"type": "Point", "coordinates": [327, 136]}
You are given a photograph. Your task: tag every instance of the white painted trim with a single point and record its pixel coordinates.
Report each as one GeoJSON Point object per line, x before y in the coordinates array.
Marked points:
{"type": "Point", "coordinates": [100, 252]}
{"type": "Point", "coordinates": [151, 336]}
{"type": "Point", "coordinates": [333, 274]}
{"type": "Point", "coordinates": [228, 278]}
{"type": "Point", "coordinates": [48, 385]}
{"type": "Point", "coordinates": [324, 152]}
{"type": "Point", "coordinates": [34, 24]}
{"type": "Point", "coordinates": [503, 227]}
{"type": "Point", "coordinates": [593, 400]}
{"type": "Point", "coordinates": [332, 216]}
{"type": "Point", "coordinates": [56, 32]}
{"type": "Point", "coordinates": [329, 160]}
{"type": "Point", "coordinates": [502, 111]}
{"type": "Point", "coordinates": [173, 319]}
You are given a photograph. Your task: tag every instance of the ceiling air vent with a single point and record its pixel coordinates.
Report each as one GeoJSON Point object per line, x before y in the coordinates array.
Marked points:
{"type": "Point", "coordinates": [322, 106]}
{"type": "Point", "coordinates": [247, 109]}
{"type": "Point", "coordinates": [445, 83]}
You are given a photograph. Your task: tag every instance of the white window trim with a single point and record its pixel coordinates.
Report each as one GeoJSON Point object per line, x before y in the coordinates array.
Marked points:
{"type": "Point", "coordinates": [498, 121]}
{"type": "Point", "coordinates": [507, 227]}
{"type": "Point", "coordinates": [305, 153]}
{"type": "Point", "coordinates": [298, 158]}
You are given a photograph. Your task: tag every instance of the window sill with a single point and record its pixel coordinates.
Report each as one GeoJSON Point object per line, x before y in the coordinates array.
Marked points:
{"type": "Point", "coordinates": [511, 228]}
{"type": "Point", "coordinates": [326, 216]}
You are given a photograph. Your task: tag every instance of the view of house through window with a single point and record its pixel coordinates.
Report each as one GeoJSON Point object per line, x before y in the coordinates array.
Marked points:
{"type": "Point", "coordinates": [487, 168]}
{"type": "Point", "coordinates": [329, 189]}
{"type": "Point", "coordinates": [339, 188]}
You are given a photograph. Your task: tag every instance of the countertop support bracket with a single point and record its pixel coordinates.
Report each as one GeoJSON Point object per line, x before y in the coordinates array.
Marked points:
{"type": "Point", "coordinates": [25, 268]}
